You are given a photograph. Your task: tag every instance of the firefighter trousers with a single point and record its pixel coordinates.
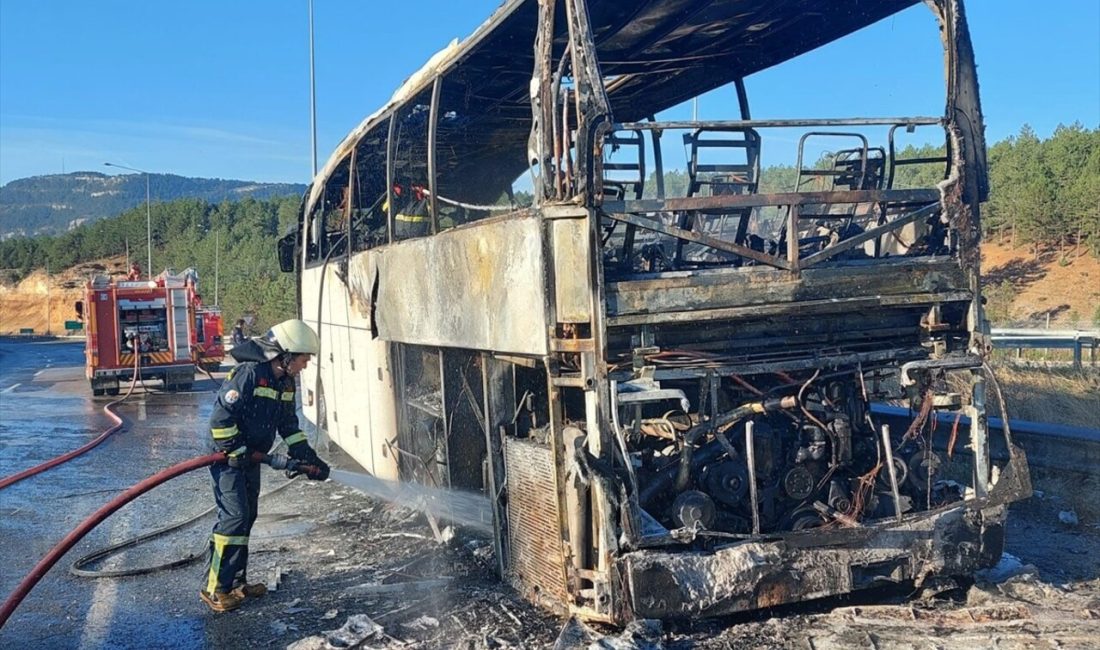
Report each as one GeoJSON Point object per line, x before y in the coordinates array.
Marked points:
{"type": "Point", "coordinates": [237, 494]}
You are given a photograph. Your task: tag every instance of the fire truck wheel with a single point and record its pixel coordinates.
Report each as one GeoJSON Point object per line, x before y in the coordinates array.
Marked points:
{"type": "Point", "coordinates": [112, 391]}
{"type": "Point", "coordinates": [98, 392]}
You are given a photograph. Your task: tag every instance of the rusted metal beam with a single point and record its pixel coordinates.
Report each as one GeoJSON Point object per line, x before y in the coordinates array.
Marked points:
{"type": "Point", "coordinates": [803, 307]}
{"type": "Point", "coordinates": [730, 201]}
{"type": "Point", "coordinates": [761, 124]}
{"type": "Point", "coordinates": [888, 355]}
{"type": "Point", "coordinates": [792, 239]}
{"type": "Point", "coordinates": [699, 238]}
{"type": "Point", "coordinates": [868, 235]}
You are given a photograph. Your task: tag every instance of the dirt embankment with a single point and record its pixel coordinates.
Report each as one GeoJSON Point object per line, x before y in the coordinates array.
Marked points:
{"type": "Point", "coordinates": [26, 303]}
{"type": "Point", "coordinates": [1024, 289]}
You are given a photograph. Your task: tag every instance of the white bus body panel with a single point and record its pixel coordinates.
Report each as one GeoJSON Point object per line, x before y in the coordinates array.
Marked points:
{"type": "Point", "coordinates": [355, 371]}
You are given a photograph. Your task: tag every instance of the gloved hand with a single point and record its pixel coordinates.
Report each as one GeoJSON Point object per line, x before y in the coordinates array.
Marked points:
{"type": "Point", "coordinates": [301, 451]}
{"type": "Point", "coordinates": [322, 470]}
{"type": "Point", "coordinates": [239, 458]}
{"type": "Point", "coordinates": [315, 470]}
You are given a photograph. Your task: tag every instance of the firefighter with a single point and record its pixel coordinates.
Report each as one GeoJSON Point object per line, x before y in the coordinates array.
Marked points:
{"type": "Point", "coordinates": [237, 337]}
{"type": "Point", "coordinates": [413, 220]}
{"type": "Point", "coordinates": [255, 402]}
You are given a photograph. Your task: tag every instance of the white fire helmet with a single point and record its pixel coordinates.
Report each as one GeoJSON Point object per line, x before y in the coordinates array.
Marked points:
{"type": "Point", "coordinates": [295, 336]}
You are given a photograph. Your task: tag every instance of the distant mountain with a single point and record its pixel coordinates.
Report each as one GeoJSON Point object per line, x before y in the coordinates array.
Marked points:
{"type": "Point", "coordinates": [51, 204]}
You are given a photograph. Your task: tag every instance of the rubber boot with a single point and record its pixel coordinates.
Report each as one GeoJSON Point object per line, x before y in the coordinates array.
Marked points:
{"type": "Point", "coordinates": [222, 601]}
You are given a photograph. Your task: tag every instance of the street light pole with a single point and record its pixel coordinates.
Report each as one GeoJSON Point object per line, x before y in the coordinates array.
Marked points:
{"type": "Point", "coordinates": [312, 93]}
{"type": "Point", "coordinates": [148, 217]}
{"type": "Point", "coordinates": [148, 229]}
{"type": "Point", "coordinates": [48, 297]}
{"type": "Point", "coordinates": [217, 254]}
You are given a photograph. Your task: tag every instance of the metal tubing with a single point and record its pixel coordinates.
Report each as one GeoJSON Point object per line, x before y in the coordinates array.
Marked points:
{"type": "Point", "coordinates": [741, 124]}
{"type": "Point", "coordinates": [893, 472]}
{"type": "Point", "coordinates": [726, 202]}
{"type": "Point", "coordinates": [576, 504]}
{"type": "Point", "coordinates": [391, 209]}
{"type": "Point", "coordinates": [433, 127]}
{"type": "Point", "coordinates": [750, 452]}
{"type": "Point", "coordinates": [979, 434]}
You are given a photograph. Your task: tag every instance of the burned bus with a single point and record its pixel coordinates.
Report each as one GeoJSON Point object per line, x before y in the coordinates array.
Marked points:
{"type": "Point", "coordinates": [665, 393]}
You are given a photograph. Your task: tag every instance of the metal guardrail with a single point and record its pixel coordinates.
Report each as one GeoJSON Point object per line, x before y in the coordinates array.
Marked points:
{"type": "Point", "coordinates": [1076, 340]}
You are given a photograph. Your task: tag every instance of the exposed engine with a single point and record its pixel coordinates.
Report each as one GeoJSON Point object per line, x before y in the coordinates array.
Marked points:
{"type": "Point", "coordinates": [815, 453]}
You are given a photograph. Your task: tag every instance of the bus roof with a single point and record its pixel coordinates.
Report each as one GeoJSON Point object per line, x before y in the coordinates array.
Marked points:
{"type": "Point", "coordinates": [659, 52]}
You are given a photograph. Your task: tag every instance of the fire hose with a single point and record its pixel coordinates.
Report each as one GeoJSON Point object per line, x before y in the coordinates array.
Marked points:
{"type": "Point", "coordinates": [78, 533]}
{"type": "Point", "coordinates": [37, 469]}
{"type": "Point", "coordinates": [77, 568]}
{"type": "Point", "coordinates": [107, 408]}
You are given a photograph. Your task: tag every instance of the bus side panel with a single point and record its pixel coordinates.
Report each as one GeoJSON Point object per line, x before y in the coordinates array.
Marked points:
{"type": "Point", "coordinates": [357, 381]}
{"type": "Point", "coordinates": [478, 287]}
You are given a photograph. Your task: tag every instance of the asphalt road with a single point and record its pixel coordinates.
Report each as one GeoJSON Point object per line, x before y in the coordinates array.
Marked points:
{"type": "Point", "coordinates": [46, 409]}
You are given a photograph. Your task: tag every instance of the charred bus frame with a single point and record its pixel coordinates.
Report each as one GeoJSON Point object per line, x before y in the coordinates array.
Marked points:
{"type": "Point", "coordinates": [665, 398]}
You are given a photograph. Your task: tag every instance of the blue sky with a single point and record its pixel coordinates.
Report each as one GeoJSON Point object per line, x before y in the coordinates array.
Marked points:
{"type": "Point", "coordinates": [221, 89]}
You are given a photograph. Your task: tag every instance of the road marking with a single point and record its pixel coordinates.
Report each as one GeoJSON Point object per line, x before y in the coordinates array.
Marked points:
{"type": "Point", "coordinates": [97, 624]}
{"type": "Point", "coordinates": [11, 388]}
{"type": "Point", "coordinates": [141, 410]}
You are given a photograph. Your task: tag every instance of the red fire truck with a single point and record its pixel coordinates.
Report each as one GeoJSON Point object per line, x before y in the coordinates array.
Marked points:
{"type": "Point", "coordinates": [157, 327]}
{"type": "Point", "coordinates": [208, 345]}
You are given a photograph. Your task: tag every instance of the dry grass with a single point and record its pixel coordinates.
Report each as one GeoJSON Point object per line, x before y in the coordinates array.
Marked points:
{"type": "Point", "coordinates": [1058, 396]}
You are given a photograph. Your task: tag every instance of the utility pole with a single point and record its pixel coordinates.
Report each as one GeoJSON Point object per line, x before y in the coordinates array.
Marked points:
{"type": "Point", "coordinates": [217, 254]}
{"type": "Point", "coordinates": [47, 297]}
{"type": "Point", "coordinates": [312, 93]}
{"type": "Point", "coordinates": [148, 217]}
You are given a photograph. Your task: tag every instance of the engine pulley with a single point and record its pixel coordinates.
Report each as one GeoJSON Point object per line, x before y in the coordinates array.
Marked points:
{"type": "Point", "coordinates": [727, 482]}
{"type": "Point", "coordinates": [799, 483]}
{"type": "Point", "coordinates": [693, 507]}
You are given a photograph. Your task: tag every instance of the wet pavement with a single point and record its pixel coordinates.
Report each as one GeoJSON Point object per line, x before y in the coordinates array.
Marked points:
{"type": "Point", "coordinates": [318, 544]}
{"type": "Point", "coordinates": [337, 556]}
{"type": "Point", "coordinates": [46, 409]}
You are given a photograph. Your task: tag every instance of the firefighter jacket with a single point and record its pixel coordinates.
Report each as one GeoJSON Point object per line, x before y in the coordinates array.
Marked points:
{"type": "Point", "coordinates": [253, 405]}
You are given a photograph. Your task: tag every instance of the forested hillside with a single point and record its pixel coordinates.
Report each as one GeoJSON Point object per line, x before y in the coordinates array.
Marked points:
{"type": "Point", "coordinates": [55, 203]}
{"type": "Point", "coordinates": [184, 235]}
